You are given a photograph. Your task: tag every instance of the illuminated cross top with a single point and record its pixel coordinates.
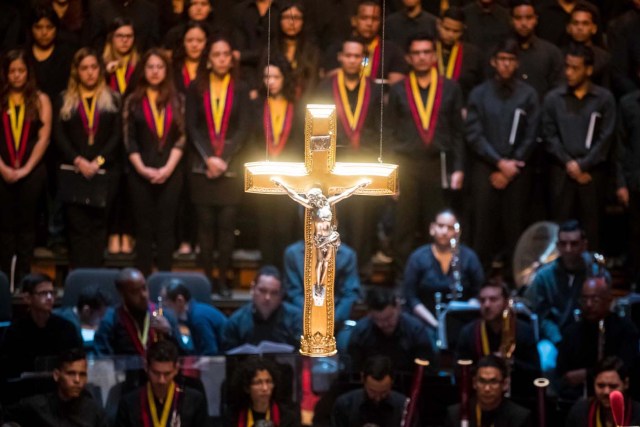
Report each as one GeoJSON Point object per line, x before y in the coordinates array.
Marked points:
{"type": "Point", "coordinates": [318, 184]}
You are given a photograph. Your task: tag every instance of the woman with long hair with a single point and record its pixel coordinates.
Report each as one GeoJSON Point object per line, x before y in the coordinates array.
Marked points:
{"type": "Point", "coordinates": [87, 133]}
{"type": "Point", "coordinates": [218, 122]}
{"type": "Point", "coordinates": [26, 125]}
{"type": "Point", "coordinates": [154, 138]}
{"type": "Point", "coordinates": [200, 11]}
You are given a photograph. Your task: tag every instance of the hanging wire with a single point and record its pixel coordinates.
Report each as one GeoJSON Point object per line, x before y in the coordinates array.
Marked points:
{"type": "Point", "coordinates": [384, 12]}
{"type": "Point", "coordinates": [268, 130]}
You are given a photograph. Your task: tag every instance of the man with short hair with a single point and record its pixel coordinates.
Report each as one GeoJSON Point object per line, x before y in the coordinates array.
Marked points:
{"type": "Point", "coordinates": [70, 405]}
{"type": "Point", "coordinates": [578, 122]}
{"type": "Point", "coordinates": [267, 317]}
{"type": "Point", "coordinates": [376, 403]}
{"type": "Point", "coordinates": [162, 401]}
{"type": "Point", "coordinates": [390, 332]}
{"type": "Point", "coordinates": [490, 407]}
{"type": "Point", "coordinates": [40, 334]}
{"type": "Point", "coordinates": [484, 336]}
{"type": "Point", "coordinates": [202, 324]}
{"type": "Point", "coordinates": [409, 20]}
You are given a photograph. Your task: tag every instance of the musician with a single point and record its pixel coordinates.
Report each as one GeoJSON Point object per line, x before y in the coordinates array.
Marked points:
{"type": "Point", "coordinates": [162, 401]}
{"type": "Point", "coordinates": [578, 122]}
{"type": "Point", "coordinates": [425, 121]}
{"type": "Point", "coordinates": [388, 331]}
{"type": "Point", "coordinates": [490, 407]}
{"type": "Point", "coordinates": [432, 268]}
{"type": "Point", "coordinates": [26, 125]}
{"type": "Point", "coordinates": [609, 374]}
{"type": "Point", "coordinates": [501, 126]}
{"type": "Point", "coordinates": [358, 111]}
{"type": "Point", "coordinates": [485, 336]}
{"type": "Point", "coordinates": [375, 403]}
{"type": "Point", "coordinates": [87, 132]}
{"type": "Point", "coordinates": [600, 333]}
{"type": "Point", "coordinates": [218, 115]}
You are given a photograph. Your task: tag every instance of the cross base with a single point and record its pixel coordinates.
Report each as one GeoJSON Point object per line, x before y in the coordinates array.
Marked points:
{"type": "Point", "coordinates": [317, 345]}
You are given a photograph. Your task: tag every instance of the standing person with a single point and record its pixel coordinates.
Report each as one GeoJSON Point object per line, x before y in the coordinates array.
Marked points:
{"type": "Point", "coordinates": [487, 24]}
{"type": "Point", "coordinates": [426, 130]}
{"type": "Point", "coordinates": [578, 123]}
{"type": "Point", "coordinates": [218, 125]}
{"type": "Point", "coordinates": [409, 20]}
{"type": "Point", "coordinates": [154, 137]}
{"type": "Point", "coordinates": [501, 126]}
{"type": "Point", "coordinates": [143, 13]}
{"type": "Point", "coordinates": [87, 131]}
{"type": "Point", "coordinates": [200, 11]}
{"type": "Point", "coordinates": [26, 125]}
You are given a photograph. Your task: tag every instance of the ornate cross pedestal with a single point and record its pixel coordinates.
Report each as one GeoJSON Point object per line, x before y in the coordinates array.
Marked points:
{"type": "Point", "coordinates": [318, 184]}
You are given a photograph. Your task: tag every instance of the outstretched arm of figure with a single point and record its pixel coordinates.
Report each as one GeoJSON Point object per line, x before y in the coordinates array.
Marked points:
{"type": "Point", "coordinates": [293, 194]}
{"type": "Point", "coordinates": [348, 192]}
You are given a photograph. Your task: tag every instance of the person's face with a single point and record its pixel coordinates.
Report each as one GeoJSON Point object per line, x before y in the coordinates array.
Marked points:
{"type": "Point", "coordinates": [161, 375]}
{"type": "Point", "coordinates": [44, 33]}
{"type": "Point", "coordinates": [261, 387]}
{"type": "Point", "coordinates": [387, 319]}
{"type": "Point", "coordinates": [505, 65]}
{"type": "Point", "coordinates": [220, 58]}
{"type": "Point", "coordinates": [410, 4]}
{"type": "Point", "coordinates": [179, 306]}
{"type": "Point", "coordinates": [91, 317]}
{"type": "Point", "coordinates": [89, 72]}
{"type": "Point", "coordinates": [492, 303]}
{"type": "Point", "coordinates": [595, 300]}
{"type": "Point", "coordinates": [443, 229]}
{"type": "Point", "coordinates": [195, 41]}
{"type": "Point", "coordinates": [17, 74]}
{"type": "Point", "coordinates": [490, 386]}
{"type": "Point", "coordinates": [377, 390]}
{"type": "Point", "coordinates": [450, 31]}
{"type": "Point", "coordinates": [291, 22]}
{"type": "Point", "coordinates": [581, 27]}
{"type": "Point", "coordinates": [123, 39]}
{"type": "Point", "coordinates": [571, 245]}
{"type": "Point", "coordinates": [524, 20]}
{"type": "Point", "coordinates": [135, 294]}
{"type": "Point", "coordinates": [366, 23]}
{"type": "Point", "coordinates": [42, 297]}
{"type": "Point", "coordinates": [199, 10]}
{"type": "Point", "coordinates": [605, 383]}
{"type": "Point", "coordinates": [421, 56]}
{"type": "Point", "coordinates": [576, 71]}
{"type": "Point", "coordinates": [350, 58]}
{"type": "Point", "coordinates": [273, 80]}
{"type": "Point", "coordinates": [71, 379]}
{"type": "Point", "coordinates": [155, 70]}
{"type": "Point", "coordinates": [267, 295]}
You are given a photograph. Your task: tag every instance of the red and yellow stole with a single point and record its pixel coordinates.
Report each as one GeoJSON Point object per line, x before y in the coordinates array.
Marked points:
{"type": "Point", "coordinates": [372, 67]}
{"type": "Point", "coordinates": [352, 121]}
{"type": "Point", "coordinates": [246, 417]}
{"type": "Point", "coordinates": [276, 128]}
{"type": "Point", "coordinates": [454, 64]}
{"type": "Point", "coordinates": [121, 77]}
{"type": "Point", "coordinates": [595, 419]}
{"type": "Point", "coordinates": [149, 411]}
{"type": "Point", "coordinates": [158, 122]}
{"type": "Point", "coordinates": [482, 340]}
{"type": "Point", "coordinates": [16, 132]}
{"type": "Point", "coordinates": [90, 116]}
{"type": "Point", "coordinates": [218, 112]}
{"type": "Point", "coordinates": [138, 338]}
{"type": "Point", "coordinates": [186, 77]}
{"type": "Point", "coordinates": [425, 115]}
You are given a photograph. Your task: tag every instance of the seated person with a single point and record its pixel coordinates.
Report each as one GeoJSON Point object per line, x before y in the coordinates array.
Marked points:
{"type": "Point", "coordinates": [553, 294]}
{"type": "Point", "coordinates": [130, 327]}
{"type": "Point", "coordinates": [375, 403]}
{"type": "Point", "coordinates": [255, 396]}
{"type": "Point", "coordinates": [267, 317]}
{"type": "Point", "coordinates": [432, 268]}
{"type": "Point", "coordinates": [484, 336]}
{"type": "Point", "coordinates": [87, 314]}
{"type": "Point", "coordinates": [162, 402]}
{"type": "Point", "coordinates": [387, 330]}
{"type": "Point", "coordinates": [40, 334]}
{"type": "Point", "coordinates": [609, 374]}
{"type": "Point", "coordinates": [201, 325]}
{"type": "Point", "coordinates": [490, 407]}
{"type": "Point", "coordinates": [600, 333]}
{"type": "Point", "coordinates": [70, 405]}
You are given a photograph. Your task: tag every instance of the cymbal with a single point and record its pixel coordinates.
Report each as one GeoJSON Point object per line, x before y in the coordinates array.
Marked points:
{"type": "Point", "coordinates": [536, 247]}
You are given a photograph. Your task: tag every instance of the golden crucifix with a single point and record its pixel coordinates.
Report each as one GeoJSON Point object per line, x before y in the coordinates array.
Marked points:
{"type": "Point", "coordinates": [318, 184]}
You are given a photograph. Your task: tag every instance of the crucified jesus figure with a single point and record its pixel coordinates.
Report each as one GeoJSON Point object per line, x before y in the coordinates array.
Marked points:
{"type": "Point", "coordinates": [326, 239]}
